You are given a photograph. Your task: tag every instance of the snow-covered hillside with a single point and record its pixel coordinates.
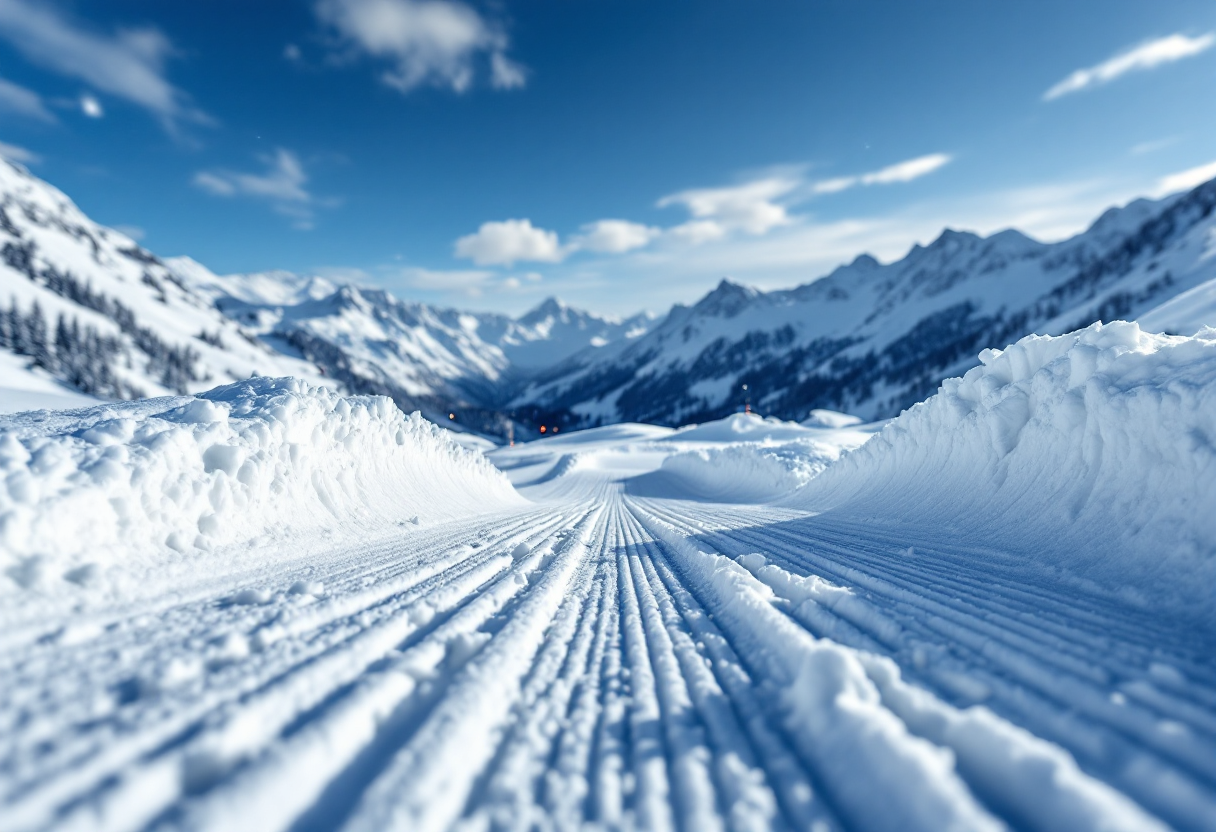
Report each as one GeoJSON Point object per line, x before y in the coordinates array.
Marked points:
{"type": "Point", "coordinates": [872, 338]}
{"type": "Point", "coordinates": [85, 305]}
{"type": "Point", "coordinates": [1187, 313]}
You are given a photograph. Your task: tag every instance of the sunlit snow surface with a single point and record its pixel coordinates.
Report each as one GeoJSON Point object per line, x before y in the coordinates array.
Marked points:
{"type": "Point", "coordinates": [989, 613]}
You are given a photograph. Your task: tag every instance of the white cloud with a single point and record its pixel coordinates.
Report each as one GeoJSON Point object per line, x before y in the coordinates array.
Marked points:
{"type": "Point", "coordinates": [16, 153]}
{"type": "Point", "coordinates": [750, 207]}
{"type": "Point", "coordinates": [434, 42]}
{"type": "Point", "coordinates": [20, 101]}
{"type": "Point", "coordinates": [133, 231]}
{"type": "Point", "coordinates": [900, 172]}
{"type": "Point", "coordinates": [510, 241]}
{"type": "Point", "coordinates": [1147, 55]}
{"type": "Point", "coordinates": [91, 107]}
{"type": "Point", "coordinates": [1186, 180]}
{"type": "Point", "coordinates": [696, 232]}
{"type": "Point", "coordinates": [127, 65]}
{"type": "Point", "coordinates": [506, 74]}
{"type": "Point", "coordinates": [282, 185]}
{"type": "Point", "coordinates": [615, 236]}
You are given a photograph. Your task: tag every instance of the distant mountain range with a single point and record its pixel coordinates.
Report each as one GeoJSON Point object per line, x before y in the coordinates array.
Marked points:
{"type": "Point", "coordinates": [872, 339]}
{"type": "Point", "coordinates": [88, 306]}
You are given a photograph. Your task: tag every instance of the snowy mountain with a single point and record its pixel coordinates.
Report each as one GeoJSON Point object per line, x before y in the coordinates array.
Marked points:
{"type": "Point", "coordinates": [553, 331]}
{"type": "Point", "coordinates": [873, 339]}
{"type": "Point", "coordinates": [86, 309]}
{"type": "Point", "coordinates": [440, 361]}
{"type": "Point", "coordinates": [87, 314]}
{"type": "Point", "coordinates": [92, 312]}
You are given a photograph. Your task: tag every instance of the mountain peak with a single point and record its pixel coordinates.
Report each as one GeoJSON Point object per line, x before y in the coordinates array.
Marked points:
{"type": "Point", "coordinates": [550, 307]}
{"type": "Point", "coordinates": [950, 236]}
{"type": "Point", "coordinates": [727, 299]}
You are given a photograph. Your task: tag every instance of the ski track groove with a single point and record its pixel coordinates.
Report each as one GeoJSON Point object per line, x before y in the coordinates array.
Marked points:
{"type": "Point", "coordinates": [583, 664]}
{"type": "Point", "coordinates": [1070, 712]}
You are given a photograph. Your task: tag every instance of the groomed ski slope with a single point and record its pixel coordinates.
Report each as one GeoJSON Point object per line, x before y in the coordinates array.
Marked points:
{"type": "Point", "coordinates": [618, 652]}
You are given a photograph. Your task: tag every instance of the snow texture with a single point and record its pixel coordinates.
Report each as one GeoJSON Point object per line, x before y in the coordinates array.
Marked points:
{"type": "Point", "coordinates": [117, 487]}
{"type": "Point", "coordinates": [1093, 452]}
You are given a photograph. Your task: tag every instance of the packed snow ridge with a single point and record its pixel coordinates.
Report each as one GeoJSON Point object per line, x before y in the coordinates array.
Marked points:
{"type": "Point", "coordinates": [111, 488]}
{"type": "Point", "coordinates": [1093, 452]}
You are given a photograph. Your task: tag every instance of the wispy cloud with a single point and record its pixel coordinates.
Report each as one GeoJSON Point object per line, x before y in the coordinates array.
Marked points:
{"type": "Point", "coordinates": [282, 185]}
{"type": "Point", "coordinates": [1187, 179]}
{"type": "Point", "coordinates": [754, 208]}
{"type": "Point", "coordinates": [614, 236]}
{"type": "Point", "coordinates": [129, 64]}
{"type": "Point", "coordinates": [508, 242]}
{"type": "Point", "coordinates": [808, 248]}
{"type": "Point", "coordinates": [1155, 145]}
{"type": "Point", "coordinates": [427, 42]}
{"type": "Point", "coordinates": [900, 172]}
{"type": "Point", "coordinates": [15, 153]}
{"type": "Point", "coordinates": [751, 207]}
{"type": "Point", "coordinates": [1146, 56]}
{"type": "Point", "coordinates": [20, 101]}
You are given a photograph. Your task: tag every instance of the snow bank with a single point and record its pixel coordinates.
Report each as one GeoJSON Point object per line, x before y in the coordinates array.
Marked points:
{"type": "Point", "coordinates": [739, 427]}
{"type": "Point", "coordinates": [747, 472]}
{"type": "Point", "coordinates": [135, 483]}
{"type": "Point", "coordinates": [830, 419]}
{"type": "Point", "coordinates": [1092, 452]}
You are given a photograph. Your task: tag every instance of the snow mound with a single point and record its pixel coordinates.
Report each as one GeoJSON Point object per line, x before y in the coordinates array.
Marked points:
{"type": "Point", "coordinates": [130, 485]}
{"type": "Point", "coordinates": [830, 419]}
{"type": "Point", "coordinates": [746, 472]}
{"type": "Point", "coordinates": [1093, 452]}
{"type": "Point", "coordinates": [740, 427]}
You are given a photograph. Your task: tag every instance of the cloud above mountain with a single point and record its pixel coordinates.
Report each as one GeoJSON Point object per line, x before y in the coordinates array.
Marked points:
{"type": "Point", "coordinates": [1148, 55]}
{"type": "Point", "coordinates": [129, 64]}
{"type": "Point", "coordinates": [283, 185]}
{"type": "Point", "coordinates": [425, 42]}
{"type": "Point", "coordinates": [508, 242]}
{"type": "Point", "coordinates": [17, 100]}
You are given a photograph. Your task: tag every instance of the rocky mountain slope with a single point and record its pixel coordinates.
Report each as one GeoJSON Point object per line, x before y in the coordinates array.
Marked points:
{"type": "Point", "coordinates": [873, 339]}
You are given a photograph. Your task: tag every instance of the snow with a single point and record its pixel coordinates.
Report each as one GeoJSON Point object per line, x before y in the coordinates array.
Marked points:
{"type": "Point", "coordinates": [23, 388]}
{"type": "Point", "coordinates": [820, 418]}
{"type": "Point", "coordinates": [117, 490]}
{"type": "Point", "coordinates": [411, 644]}
{"type": "Point", "coordinates": [1102, 436]}
{"type": "Point", "coordinates": [1184, 314]}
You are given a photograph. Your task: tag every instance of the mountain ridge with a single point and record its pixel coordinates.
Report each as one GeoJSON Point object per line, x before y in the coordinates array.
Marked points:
{"type": "Point", "coordinates": [868, 337]}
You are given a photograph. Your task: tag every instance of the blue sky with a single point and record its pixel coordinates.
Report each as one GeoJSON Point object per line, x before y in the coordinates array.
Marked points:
{"type": "Point", "coordinates": [622, 155]}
